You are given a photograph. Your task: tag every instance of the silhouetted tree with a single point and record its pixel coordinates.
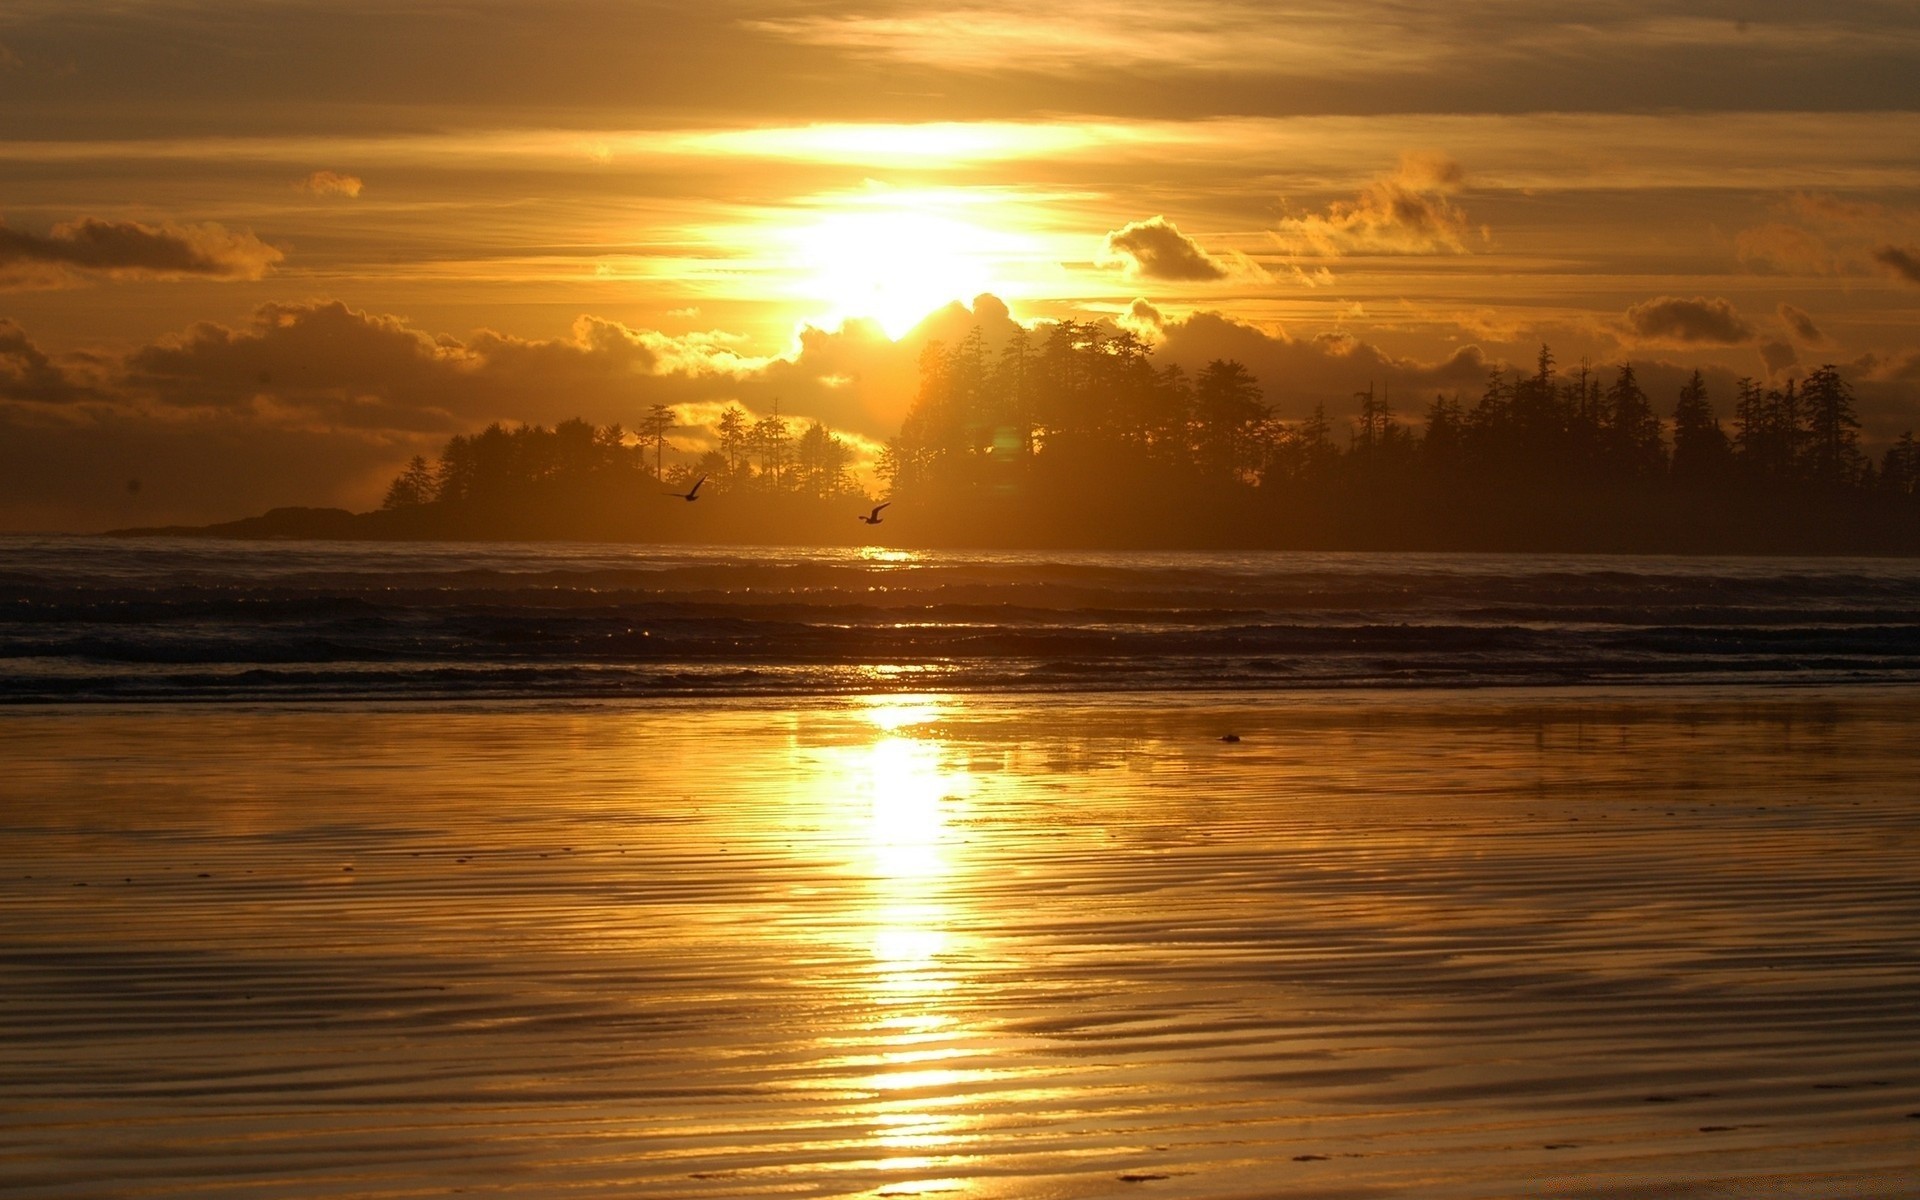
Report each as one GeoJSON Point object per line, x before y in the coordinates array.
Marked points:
{"type": "Point", "coordinates": [1700, 448]}
{"type": "Point", "coordinates": [1833, 457]}
{"type": "Point", "coordinates": [772, 441]}
{"type": "Point", "coordinates": [1442, 448]}
{"type": "Point", "coordinates": [1228, 415]}
{"type": "Point", "coordinates": [414, 486]}
{"type": "Point", "coordinates": [733, 430]}
{"type": "Point", "coordinates": [1900, 469]}
{"type": "Point", "coordinates": [654, 428]}
{"type": "Point", "coordinates": [820, 464]}
{"type": "Point", "coordinates": [1634, 449]}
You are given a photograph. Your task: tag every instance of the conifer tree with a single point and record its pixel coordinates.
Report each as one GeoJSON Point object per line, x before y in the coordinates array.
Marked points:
{"type": "Point", "coordinates": [1833, 456]}
{"type": "Point", "coordinates": [1700, 448]}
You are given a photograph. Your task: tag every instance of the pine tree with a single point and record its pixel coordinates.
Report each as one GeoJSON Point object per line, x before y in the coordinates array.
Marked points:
{"type": "Point", "coordinates": [654, 428]}
{"type": "Point", "coordinates": [1900, 469]}
{"type": "Point", "coordinates": [413, 487]}
{"type": "Point", "coordinates": [1700, 449]}
{"type": "Point", "coordinates": [1635, 450]}
{"type": "Point", "coordinates": [733, 431]}
{"type": "Point", "coordinates": [1833, 456]}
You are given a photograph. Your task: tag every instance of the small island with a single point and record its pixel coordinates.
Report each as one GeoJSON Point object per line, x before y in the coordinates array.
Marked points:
{"type": "Point", "coordinates": [1082, 441]}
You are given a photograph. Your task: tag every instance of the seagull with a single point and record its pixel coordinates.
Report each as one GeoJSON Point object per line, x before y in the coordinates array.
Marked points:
{"type": "Point", "coordinates": [874, 518]}
{"type": "Point", "coordinates": [692, 493]}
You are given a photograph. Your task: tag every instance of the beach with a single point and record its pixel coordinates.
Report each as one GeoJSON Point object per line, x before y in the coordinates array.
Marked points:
{"type": "Point", "coordinates": [1438, 943]}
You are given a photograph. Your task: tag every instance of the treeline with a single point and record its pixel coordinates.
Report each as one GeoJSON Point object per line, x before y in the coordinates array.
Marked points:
{"type": "Point", "coordinates": [576, 462]}
{"type": "Point", "coordinates": [1077, 437]}
{"type": "Point", "coordinates": [580, 480]}
{"type": "Point", "coordinates": [1086, 430]}
{"type": "Point", "coordinates": [1098, 401]}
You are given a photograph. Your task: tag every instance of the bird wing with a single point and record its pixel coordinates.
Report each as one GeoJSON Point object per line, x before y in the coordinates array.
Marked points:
{"type": "Point", "coordinates": [696, 485]}
{"type": "Point", "coordinates": [878, 507]}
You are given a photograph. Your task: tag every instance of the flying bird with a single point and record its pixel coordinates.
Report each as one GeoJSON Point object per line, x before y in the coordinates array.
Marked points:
{"type": "Point", "coordinates": [874, 517]}
{"type": "Point", "coordinates": [692, 493]}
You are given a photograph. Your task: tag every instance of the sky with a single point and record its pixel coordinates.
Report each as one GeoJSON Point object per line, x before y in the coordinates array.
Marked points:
{"type": "Point", "coordinates": [256, 254]}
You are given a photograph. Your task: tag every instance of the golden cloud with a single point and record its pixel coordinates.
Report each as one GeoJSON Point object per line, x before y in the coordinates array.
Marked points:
{"type": "Point", "coordinates": [1406, 212]}
{"type": "Point", "coordinates": [1156, 249]}
{"type": "Point", "coordinates": [332, 183]}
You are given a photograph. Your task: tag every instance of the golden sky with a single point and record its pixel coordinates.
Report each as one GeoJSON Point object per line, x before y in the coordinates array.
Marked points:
{"type": "Point", "coordinates": [260, 254]}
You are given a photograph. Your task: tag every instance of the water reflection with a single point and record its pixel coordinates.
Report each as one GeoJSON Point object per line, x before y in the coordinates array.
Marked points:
{"type": "Point", "coordinates": [917, 1034]}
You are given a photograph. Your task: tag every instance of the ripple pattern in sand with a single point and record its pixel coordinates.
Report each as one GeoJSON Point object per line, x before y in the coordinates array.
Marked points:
{"type": "Point", "coordinates": [1438, 946]}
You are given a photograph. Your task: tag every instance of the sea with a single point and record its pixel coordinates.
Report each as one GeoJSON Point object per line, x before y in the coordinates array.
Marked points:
{"type": "Point", "coordinates": [96, 619]}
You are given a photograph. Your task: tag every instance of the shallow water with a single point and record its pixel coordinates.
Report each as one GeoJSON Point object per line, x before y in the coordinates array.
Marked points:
{"type": "Point", "coordinates": [179, 619]}
{"type": "Point", "coordinates": [1425, 944]}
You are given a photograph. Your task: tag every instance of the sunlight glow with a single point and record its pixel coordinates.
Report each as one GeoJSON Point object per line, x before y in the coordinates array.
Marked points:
{"type": "Point", "coordinates": [927, 145]}
{"type": "Point", "coordinates": [892, 266]}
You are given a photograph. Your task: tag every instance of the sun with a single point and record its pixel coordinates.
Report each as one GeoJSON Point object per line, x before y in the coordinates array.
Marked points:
{"type": "Point", "coordinates": [892, 266]}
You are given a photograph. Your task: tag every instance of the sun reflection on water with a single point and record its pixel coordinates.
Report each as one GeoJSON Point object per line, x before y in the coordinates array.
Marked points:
{"type": "Point", "coordinates": [918, 1039]}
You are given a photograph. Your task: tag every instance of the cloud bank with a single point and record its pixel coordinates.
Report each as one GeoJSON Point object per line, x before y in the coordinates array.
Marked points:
{"type": "Point", "coordinates": [90, 246]}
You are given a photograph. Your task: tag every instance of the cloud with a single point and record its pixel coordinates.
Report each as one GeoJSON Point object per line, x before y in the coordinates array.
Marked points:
{"type": "Point", "coordinates": [1143, 320]}
{"type": "Point", "coordinates": [1156, 249]}
{"type": "Point", "coordinates": [130, 250]}
{"type": "Point", "coordinates": [1299, 373]}
{"type": "Point", "coordinates": [28, 373]}
{"type": "Point", "coordinates": [1801, 325]}
{"type": "Point", "coordinates": [1833, 211]}
{"type": "Point", "coordinates": [1781, 247]}
{"type": "Point", "coordinates": [1903, 261]}
{"type": "Point", "coordinates": [298, 386]}
{"type": "Point", "coordinates": [332, 183]}
{"type": "Point", "coordinates": [1903, 367]}
{"type": "Point", "coordinates": [1699, 321]}
{"type": "Point", "coordinates": [1406, 212]}
{"type": "Point", "coordinates": [1778, 356]}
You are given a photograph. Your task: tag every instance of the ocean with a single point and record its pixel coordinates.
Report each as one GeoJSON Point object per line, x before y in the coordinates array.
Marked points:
{"type": "Point", "coordinates": [99, 619]}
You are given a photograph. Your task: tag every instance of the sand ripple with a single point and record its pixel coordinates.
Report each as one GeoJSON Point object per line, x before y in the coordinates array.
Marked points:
{"type": "Point", "coordinates": [1627, 945]}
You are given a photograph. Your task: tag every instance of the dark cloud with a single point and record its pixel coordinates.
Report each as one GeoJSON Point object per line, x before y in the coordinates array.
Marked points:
{"type": "Point", "coordinates": [1297, 374]}
{"type": "Point", "coordinates": [1903, 261]}
{"type": "Point", "coordinates": [27, 373]}
{"type": "Point", "coordinates": [1801, 325]}
{"type": "Point", "coordinates": [1406, 212]}
{"type": "Point", "coordinates": [130, 249]}
{"type": "Point", "coordinates": [365, 391]}
{"type": "Point", "coordinates": [1778, 356]}
{"type": "Point", "coordinates": [1698, 321]}
{"type": "Point", "coordinates": [1902, 367]}
{"type": "Point", "coordinates": [1156, 249]}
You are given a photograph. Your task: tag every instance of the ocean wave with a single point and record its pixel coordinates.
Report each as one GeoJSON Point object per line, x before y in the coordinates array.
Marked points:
{"type": "Point", "coordinates": [100, 619]}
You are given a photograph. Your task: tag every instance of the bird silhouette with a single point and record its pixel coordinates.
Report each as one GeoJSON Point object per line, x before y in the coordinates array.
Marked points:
{"type": "Point", "coordinates": [692, 493]}
{"type": "Point", "coordinates": [874, 517]}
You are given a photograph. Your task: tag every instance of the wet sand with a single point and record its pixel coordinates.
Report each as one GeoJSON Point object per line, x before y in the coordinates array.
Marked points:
{"type": "Point", "coordinates": [1659, 943]}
